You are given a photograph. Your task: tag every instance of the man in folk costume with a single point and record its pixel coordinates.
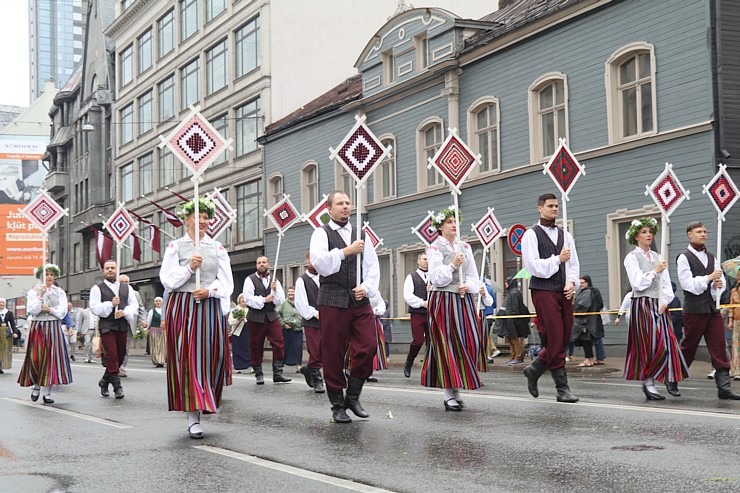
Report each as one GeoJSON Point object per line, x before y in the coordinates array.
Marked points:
{"type": "Point", "coordinates": [344, 307]}
{"type": "Point", "coordinates": [116, 306]}
{"type": "Point", "coordinates": [701, 279]}
{"type": "Point", "coordinates": [262, 295]}
{"type": "Point", "coordinates": [415, 293]}
{"type": "Point", "coordinates": [546, 249]}
{"type": "Point", "coordinates": [307, 302]}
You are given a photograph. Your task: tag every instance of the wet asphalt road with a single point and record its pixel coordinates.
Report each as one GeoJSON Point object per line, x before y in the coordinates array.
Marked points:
{"type": "Point", "coordinates": [275, 437]}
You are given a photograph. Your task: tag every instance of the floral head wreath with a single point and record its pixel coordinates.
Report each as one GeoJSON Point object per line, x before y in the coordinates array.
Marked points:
{"type": "Point", "coordinates": [52, 267]}
{"type": "Point", "coordinates": [204, 205]}
{"type": "Point", "coordinates": [442, 216]}
{"type": "Point", "coordinates": [637, 224]}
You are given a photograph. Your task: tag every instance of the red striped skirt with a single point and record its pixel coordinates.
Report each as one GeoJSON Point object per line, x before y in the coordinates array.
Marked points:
{"type": "Point", "coordinates": [455, 351]}
{"type": "Point", "coordinates": [198, 355]}
{"type": "Point", "coordinates": [652, 348]}
{"type": "Point", "coordinates": [47, 360]}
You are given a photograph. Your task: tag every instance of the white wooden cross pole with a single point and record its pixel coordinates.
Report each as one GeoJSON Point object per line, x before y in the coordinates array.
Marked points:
{"type": "Point", "coordinates": [488, 230]}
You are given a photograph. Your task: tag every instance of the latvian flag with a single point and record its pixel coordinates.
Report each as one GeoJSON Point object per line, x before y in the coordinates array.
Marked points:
{"type": "Point", "coordinates": [103, 248]}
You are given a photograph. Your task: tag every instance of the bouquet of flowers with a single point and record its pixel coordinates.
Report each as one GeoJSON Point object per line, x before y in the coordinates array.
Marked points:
{"type": "Point", "coordinates": [239, 313]}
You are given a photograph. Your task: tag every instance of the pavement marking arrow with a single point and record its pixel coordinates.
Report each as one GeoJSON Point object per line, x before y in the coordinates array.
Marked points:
{"type": "Point", "coordinates": [94, 419]}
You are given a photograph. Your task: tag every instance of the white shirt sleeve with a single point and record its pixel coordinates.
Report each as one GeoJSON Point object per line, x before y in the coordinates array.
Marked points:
{"type": "Point", "coordinates": [408, 294]}
{"type": "Point", "coordinates": [370, 270]}
{"type": "Point", "coordinates": [149, 317]}
{"type": "Point", "coordinates": [171, 273]}
{"type": "Point", "coordinates": [251, 299]}
{"type": "Point", "coordinates": [279, 297]}
{"type": "Point", "coordinates": [223, 286]}
{"type": "Point", "coordinates": [548, 267]}
{"type": "Point", "coordinates": [666, 294]}
{"type": "Point", "coordinates": [471, 273]}
{"type": "Point", "coordinates": [101, 309]}
{"type": "Point", "coordinates": [301, 301]}
{"type": "Point", "coordinates": [60, 310]}
{"type": "Point", "coordinates": [696, 284]}
{"type": "Point", "coordinates": [324, 261]}
{"type": "Point", "coordinates": [132, 307]}
{"type": "Point", "coordinates": [378, 305]}
{"type": "Point", "coordinates": [34, 302]}
{"type": "Point", "coordinates": [626, 303]}
{"type": "Point", "coordinates": [487, 298]}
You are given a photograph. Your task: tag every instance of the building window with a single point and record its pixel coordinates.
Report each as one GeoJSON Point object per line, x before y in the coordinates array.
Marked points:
{"type": "Point", "coordinates": [127, 182]}
{"type": "Point", "coordinates": [389, 67]}
{"type": "Point", "coordinates": [343, 181]}
{"type": "Point", "coordinates": [126, 59]}
{"type": "Point", "coordinates": [145, 50]}
{"type": "Point", "coordinates": [146, 104]}
{"type": "Point", "coordinates": [384, 184]}
{"type": "Point", "coordinates": [146, 174]}
{"type": "Point", "coordinates": [428, 142]}
{"type": "Point", "coordinates": [631, 102]}
{"type": "Point", "coordinates": [249, 217]}
{"type": "Point", "coordinates": [548, 115]}
{"type": "Point", "coordinates": [483, 129]}
{"type": "Point", "coordinates": [213, 8]}
{"type": "Point", "coordinates": [274, 190]}
{"type": "Point", "coordinates": [189, 84]}
{"type": "Point", "coordinates": [216, 67]}
{"type": "Point", "coordinates": [247, 127]}
{"type": "Point", "coordinates": [188, 18]}
{"type": "Point", "coordinates": [166, 33]}
{"type": "Point", "coordinates": [166, 167]}
{"type": "Point", "coordinates": [247, 44]}
{"type": "Point", "coordinates": [166, 93]}
{"type": "Point", "coordinates": [221, 125]}
{"type": "Point", "coordinates": [421, 43]}
{"type": "Point", "coordinates": [309, 186]}
{"type": "Point", "coordinates": [77, 253]}
{"type": "Point", "coordinates": [126, 116]}
{"type": "Point", "coordinates": [91, 261]}
{"type": "Point", "coordinates": [386, 277]}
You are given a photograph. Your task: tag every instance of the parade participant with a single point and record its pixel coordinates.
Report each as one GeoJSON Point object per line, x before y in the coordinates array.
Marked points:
{"type": "Point", "coordinates": [344, 306]}
{"type": "Point", "coordinates": [138, 321]}
{"type": "Point", "coordinates": [262, 294]}
{"type": "Point", "coordinates": [455, 344]}
{"type": "Point", "coordinates": [415, 293]}
{"type": "Point", "coordinates": [290, 321]}
{"type": "Point", "coordinates": [116, 307]}
{"type": "Point", "coordinates": [86, 328]}
{"type": "Point", "coordinates": [8, 333]}
{"type": "Point", "coordinates": [546, 250]}
{"type": "Point", "coordinates": [380, 360]}
{"type": "Point", "coordinates": [702, 281]}
{"type": "Point", "coordinates": [306, 301]}
{"type": "Point", "coordinates": [198, 357]}
{"type": "Point", "coordinates": [156, 334]}
{"type": "Point", "coordinates": [69, 323]}
{"type": "Point", "coordinates": [47, 361]}
{"type": "Point", "coordinates": [239, 335]}
{"type": "Point", "coordinates": [652, 350]}
{"type": "Point", "coordinates": [734, 326]}
{"type": "Point", "coordinates": [488, 300]}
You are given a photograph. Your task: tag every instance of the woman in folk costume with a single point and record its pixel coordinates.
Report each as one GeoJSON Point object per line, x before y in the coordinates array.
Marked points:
{"type": "Point", "coordinates": [157, 334]}
{"type": "Point", "coordinates": [47, 360]}
{"type": "Point", "coordinates": [455, 337]}
{"type": "Point", "coordinates": [8, 334]}
{"type": "Point", "coordinates": [198, 357]}
{"type": "Point", "coordinates": [239, 335]}
{"type": "Point", "coordinates": [652, 350]}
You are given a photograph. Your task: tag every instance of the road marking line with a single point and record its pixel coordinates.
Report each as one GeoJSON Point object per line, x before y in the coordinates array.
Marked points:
{"type": "Point", "coordinates": [94, 419]}
{"type": "Point", "coordinates": [295, 471]}
{"type": "Point", "coordinates": [628, 385]}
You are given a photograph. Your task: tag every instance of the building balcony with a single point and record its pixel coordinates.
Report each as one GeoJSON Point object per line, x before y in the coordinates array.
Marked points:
{"type": "Point", "coordinates": [56, 181]}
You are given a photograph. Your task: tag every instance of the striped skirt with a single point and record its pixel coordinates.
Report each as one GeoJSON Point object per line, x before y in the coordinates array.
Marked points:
{"type": "Point", "coordinates": [47, 359]}
{"type": "Point", "coordinates": [380, 359]}
{"type": "Point", "coordinates": [6, 349]}
{"type": "Point", "coordinates": [652, 348]}
{"type": "Point", "coordinates": [198, 355]}
{"type": "Point", "coordinates": [455, 350]}
{"type": "Point", "coordinates": [158, 345]}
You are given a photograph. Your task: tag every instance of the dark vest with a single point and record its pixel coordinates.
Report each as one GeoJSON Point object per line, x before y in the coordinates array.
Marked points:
{"type": "Point", "coordinates": [546, 250]}
{"type": "Point", "coordinates": [268, 310]}
{"type": "Point", "coordinates": [110, 323]}
{"type": "Point", "coordinates": [156, 319]}
{"type": "Point", "coordinates": [420, 291]}
{"type": "Point", "coordinates": [704, 302]}
{"type": "Point", "coordinates": [312, 293]}
{"type": "Point", "coordinates": [336, 289]}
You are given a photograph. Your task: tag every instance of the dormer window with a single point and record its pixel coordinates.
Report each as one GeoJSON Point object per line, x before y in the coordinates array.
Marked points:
{"type": "Point", "coordinates": [421, 43]}
{"type": "Point", "coordinates": [389, 67]}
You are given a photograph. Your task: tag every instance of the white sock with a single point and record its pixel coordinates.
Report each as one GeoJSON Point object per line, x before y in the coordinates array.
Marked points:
{"type": "Point", "coordinates": [448, 394]}
{"type": "Point", "coordinates": [47, 390]}
{"type": "Point", "coordinates": [456, 393]}
{"type": "Point", "coordinates": [194, 422]}
{"type": "Point", "coordinates": [650, 385]}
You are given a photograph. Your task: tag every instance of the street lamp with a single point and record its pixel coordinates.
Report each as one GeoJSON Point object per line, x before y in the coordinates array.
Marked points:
{"type": "Point", "coordinates": [87, 127]}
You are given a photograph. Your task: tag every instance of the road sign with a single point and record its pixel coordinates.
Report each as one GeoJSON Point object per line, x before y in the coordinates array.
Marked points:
{"type": "Point", "coordinates": [516, 232]}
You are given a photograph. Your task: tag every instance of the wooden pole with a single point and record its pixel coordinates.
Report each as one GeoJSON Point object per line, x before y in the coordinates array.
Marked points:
{"type": "Point", "coordinates": [719, 253]}
{"type": "Point", "coordinates": [663, 252]}
{"type": "Point", "coordinates": [358, 189]}
{"type": "Point", "coordinates": [565, 234]}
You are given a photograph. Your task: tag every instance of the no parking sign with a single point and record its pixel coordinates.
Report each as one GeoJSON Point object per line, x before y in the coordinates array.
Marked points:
{"type": "Point", "coordinates": [516, 232]}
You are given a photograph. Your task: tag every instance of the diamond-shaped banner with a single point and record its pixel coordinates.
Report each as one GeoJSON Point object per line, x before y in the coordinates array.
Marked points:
{"type": "Point", "coordinates": [120, 224]}
{"type": "Point", "coordinates": [722, 191]}
{"type": "Point", "coordinates": [43, 211]}
{"type": "Point", "coordinates": [371, 235]}
{"type": "Point", "coordinates": [319, 215]}
{"type": "Point", "coordinates": [195, 142]}
{"type": "Point", "coordinates": [454, 160]}
{"type": "Point", "coordinates": [360, 151]}
{"type": "Point", "coordinates": [283, 214]}
{"type": "Point", "coordinates": [564, 168]}
{"type": "Point", "coordinates": [425, 230]}
{"type": "Point", "coordinates": [488, 229]}
{"type": "Point", "coordinates": [667, 192]}
{"type": "Point", "coordinates": [225, 214]}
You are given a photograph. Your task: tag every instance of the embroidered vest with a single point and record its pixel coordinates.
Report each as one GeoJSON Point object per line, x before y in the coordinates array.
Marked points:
{"type": "Point", "coordinates": [703, 303]}
{"type": "Point", "coordinates": [111, 323]}
{"type": "Point", "coordinates": [268, 310]}
{"type": "Point", "coordinates": [547, 249]}
{"type": "Point", "coordinates": [336, 289]}
{"type": "Point", "coordinates": [420, 291]}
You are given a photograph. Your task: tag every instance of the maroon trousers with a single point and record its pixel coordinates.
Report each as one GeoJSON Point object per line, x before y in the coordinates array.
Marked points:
{"type": "Point", "coordinates": [313, 345]}
{"type": "Point", "coordinates": [114, 350]}
{"type": "Point", "coordinates": [340, 326]}
{"type": "Point", "coordinates": [555, 316]}
{"type": "Point", "coordinates": [711, 327]}
{"type": "Point", "coordinates": [419, 332]}
{"type": "Point", "coordinates": [271, 331]}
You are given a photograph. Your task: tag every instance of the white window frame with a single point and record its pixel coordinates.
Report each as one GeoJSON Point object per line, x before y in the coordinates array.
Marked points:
{"type": "Point", "coordinates": [389, 67]}
{"type": "Point", "coordinates": [217, 77]}
{"type": "Point", "coordinates": [536, 147]}
{"type": "Point", "coordinates": [421, 45]}
{"type": "Point", "coordinates": [273, 196]}
{"type": "Point", "coordinates": [307, 201]}
{"type": "Point", "coordinates": [473, 111]}
{"type": "Point", "coordinates": [126, 62]}
{"type": "Point", "coordinates": [378, 177]}
{"type": "Point", "coordinates": [339, 174]}
{"type": "Point", "coordinates": [421, 156]}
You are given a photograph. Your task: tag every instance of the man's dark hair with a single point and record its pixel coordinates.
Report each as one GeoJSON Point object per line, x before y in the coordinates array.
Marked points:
{"type": "Point", "coordinates": [330, 197]}
{"type": "Point", "coordinates": [693, 225]}
{"type": "Point", "coordinates": [545, 197]}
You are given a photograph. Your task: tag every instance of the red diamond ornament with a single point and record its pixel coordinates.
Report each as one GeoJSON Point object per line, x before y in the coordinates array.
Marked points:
{"type": "Point", "coordinates": [120, 224]}
{"type": "Point", "coordinates": [667, 191]}
{"type": "Point", "coordinates": [360, 151]}
{"type": "Point", "coordinates": [283, 214]}
{"type": "Point", "coordinates": [564, 168]}
{"type": "Point", "coordinates": [319, 215]}
{"type": "Point", "coordinates": [43, 211]}
{"type": "Point", "coordinates": [722, 191]}
{"type": "Point", "coordinates": [372, 236]}
{"type": "Point", "coordinates": [488, 229]}
{"type": "Point", "coordinates": [425, 230]}
{"type": "Point", "coordinates": [454, 160]}
{"type": "Point", "coordinates": [225, 214]}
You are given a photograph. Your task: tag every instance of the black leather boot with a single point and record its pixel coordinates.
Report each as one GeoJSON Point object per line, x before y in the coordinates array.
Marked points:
{"type": "Point", "coordinates": [258, 375]}
{"type": "Point", "coordinates": [277, 373]}
{"type": "Point", "coordinates": [318, 382]}
{"type": "Point", "coordinates": [352, 399]}
{"type": "Point", "coordinates": [561, 385]}
{"type": "Point", "coordinates": [338, 413]}
{"type": "Point", "coordinates": [117, 387]}
{"type": "Point", "coordinates": [306, 372]}
{"type": "Point", "coordinates": [103, 384]}
{"type": "Point", "coordinates": [407, 366]}
{"type": "Point", "coordinates": [533, 373]}
{"type": "Point", "coordinates": [724, 390]}
{"type": "Point", "coordinates": [672, 388]}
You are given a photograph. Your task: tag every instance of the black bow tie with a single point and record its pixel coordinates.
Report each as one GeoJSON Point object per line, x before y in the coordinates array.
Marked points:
{"type": "Point", "coordinates": [264, 276]}
{"type": "Point", "coordinates": [341, 224]}
{"type": "Point", "coordinates": [699, 248]}
{"type": "Point", "coordinates": [548, 223]}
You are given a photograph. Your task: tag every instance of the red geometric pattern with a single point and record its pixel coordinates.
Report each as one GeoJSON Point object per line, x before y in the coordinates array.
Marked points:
{"type": "Point", "coordinates": [43, 211]}
{"type": "Point", "coordinates": [360, 151]}
{"type": "Point", "coordinates": [454, 160]}
{"type": "Point", "coordinates": [372, 236]}
{"type": "Point", "coordinates": [319, 215]}
{"type": "Point", "coordinates": [120, 224]}
{"type": "Point", "coordinates": [564, 168]}
{"type": "Point", "coordinates": [195, 143]}
{"type": "Point", "coordinates": [667, 192]}
{"type": "Point", "coordinates": [722, 191]}
{"type": "Point", "coordinates": [283, 214]}
{"type": "Point", "coordinates": [488, 229]}
{"type": "Point", "coordinates": [425, 230]}
{"type": "Point", "coordinates": [225, 214]}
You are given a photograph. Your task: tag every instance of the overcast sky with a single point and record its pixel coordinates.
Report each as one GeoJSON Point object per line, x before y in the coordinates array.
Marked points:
{"type": "Point", "coordinates": [14, 52]}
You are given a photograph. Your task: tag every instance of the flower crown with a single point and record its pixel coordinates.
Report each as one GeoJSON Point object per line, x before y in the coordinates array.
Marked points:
{"type": "Point", "coordinates": [637, 224]}
{"type": "Point", "coordinates": [52, 267]}
{"type": "Point", "coordinates": [204, 205]}
{"type": "Point", "coordinates": [442, 216]}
